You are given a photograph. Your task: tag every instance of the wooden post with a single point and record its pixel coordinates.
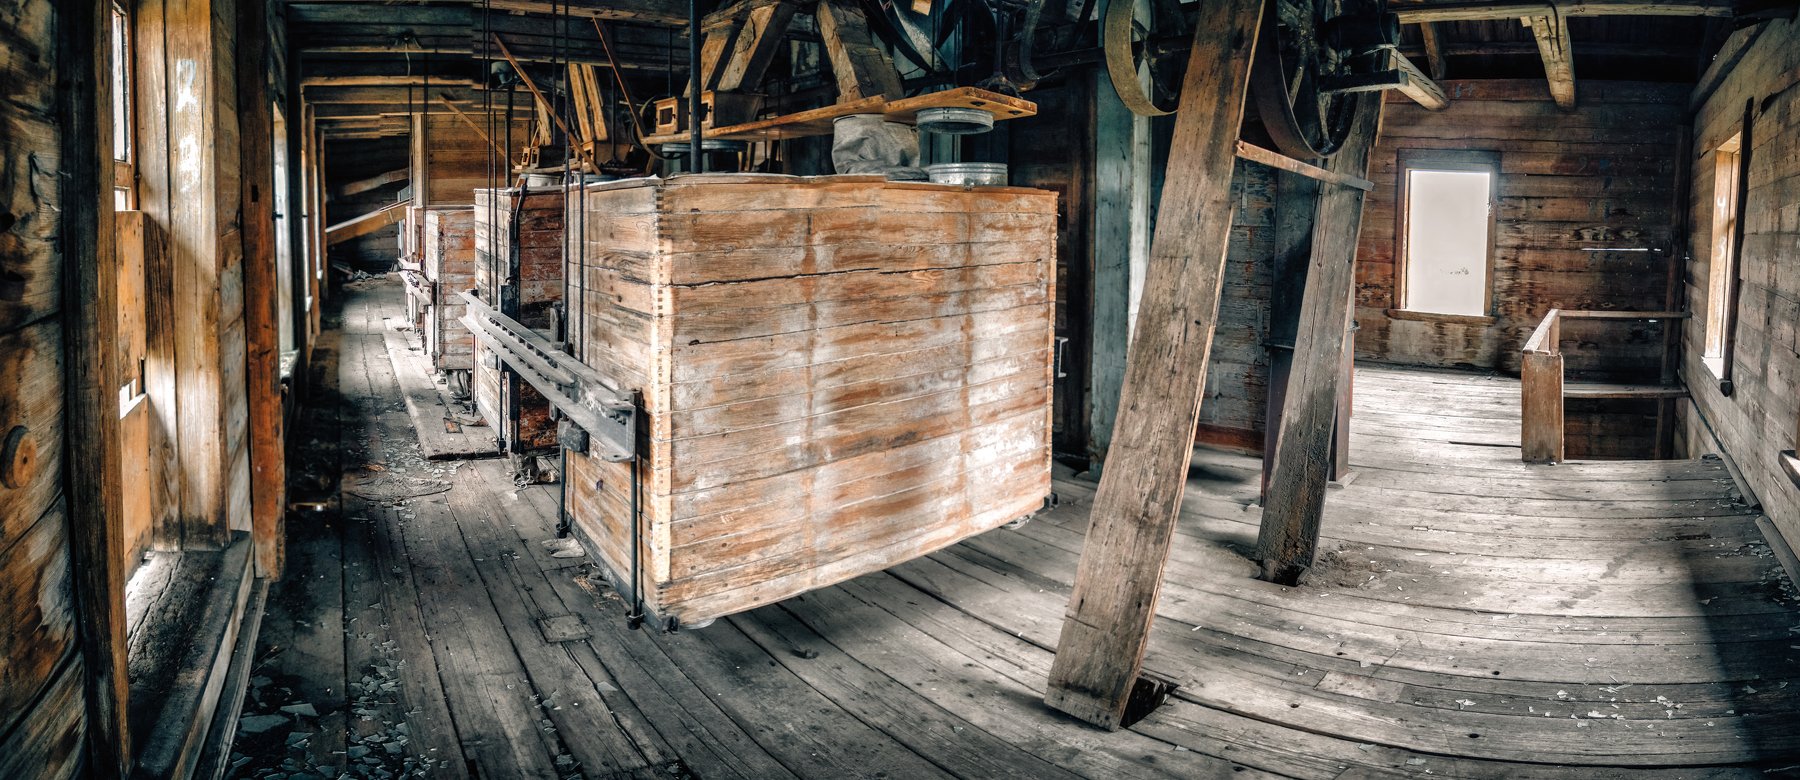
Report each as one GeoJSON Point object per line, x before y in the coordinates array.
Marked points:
{"type": "Point", "coordinates": [1296, 203]}
{"type": "Point", "coordinates": [91, 461]}
{"type": "Point", "coordinates": [1107, 626]}
{"type": "Point", "coordinates": [1552, 35]}
{"type": "Point", "coordinates": [256, 139]}
{"type": "Point", "coordinates": [1121, 238]}
{"type": "Point", "coordinates": [1541, 402]}
{"type": "Point", "coordinates": [1302, 458]}
{"type": "Point", "coordinates": [862, 69]}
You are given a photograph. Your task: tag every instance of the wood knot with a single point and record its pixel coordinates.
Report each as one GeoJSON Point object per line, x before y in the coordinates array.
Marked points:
{"type": "Point", "coordinates": [18, 458]}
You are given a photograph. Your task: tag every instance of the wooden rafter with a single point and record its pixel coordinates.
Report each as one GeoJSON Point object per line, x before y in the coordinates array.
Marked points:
{"type": "Point", "coordinates": [1419, 11]}
{"type": "Point", "coordinates": [1552, 34]}
{"type": "Point", "coordinates": [1434, 49]}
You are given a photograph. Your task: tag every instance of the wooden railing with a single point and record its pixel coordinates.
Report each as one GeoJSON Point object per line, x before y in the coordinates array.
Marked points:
{"type": "Point", "coordinates": [1542, 388]}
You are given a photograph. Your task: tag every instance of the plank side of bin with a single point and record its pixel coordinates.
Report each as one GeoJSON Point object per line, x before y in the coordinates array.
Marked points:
{"type": "Point", "coordinates": [840, 375]}
{"type": "Point", "coordinates": [448, 261]}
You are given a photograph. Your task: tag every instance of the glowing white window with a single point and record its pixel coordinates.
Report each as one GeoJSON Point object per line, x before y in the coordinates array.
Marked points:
{"type": "Point", "coordinates": [1447, 241]}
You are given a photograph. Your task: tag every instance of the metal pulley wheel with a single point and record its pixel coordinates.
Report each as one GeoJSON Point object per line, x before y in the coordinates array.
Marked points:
{"type": "Point", "coordinates": [1131, 51]}
{"type": "Point", "coordinates": [1303, 48]}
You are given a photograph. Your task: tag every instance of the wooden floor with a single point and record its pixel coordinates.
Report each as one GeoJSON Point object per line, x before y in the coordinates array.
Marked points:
{"type": "Point", "coordinates": [1474, 617]}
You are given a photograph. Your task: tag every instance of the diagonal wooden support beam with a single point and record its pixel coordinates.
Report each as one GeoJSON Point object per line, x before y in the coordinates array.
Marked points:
{"type": "Point", "coordinates": [1107, 625]}
{"type": "Point", "coordinates": [1434, 49]}
{"type": "Point", "coordinates": [1302, 457]}
{"type": "Point", "coordinates": [1552, 34]}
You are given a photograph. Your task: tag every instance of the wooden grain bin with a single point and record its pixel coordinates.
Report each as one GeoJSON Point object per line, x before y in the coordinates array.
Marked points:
{"type": "Point", "coordinates": [838, 374]}
{"type": "Point", "coordinates": [519, 251]}
{"type": "Point", "coordinates": [448, 261]}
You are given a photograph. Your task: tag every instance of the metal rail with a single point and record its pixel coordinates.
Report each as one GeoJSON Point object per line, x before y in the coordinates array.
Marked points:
{"type": "Point", "coordinates": [597, 404]}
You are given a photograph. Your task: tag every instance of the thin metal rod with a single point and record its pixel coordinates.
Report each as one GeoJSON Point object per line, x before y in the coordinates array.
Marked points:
{"type": "Point", "coordinates": [696, 160]}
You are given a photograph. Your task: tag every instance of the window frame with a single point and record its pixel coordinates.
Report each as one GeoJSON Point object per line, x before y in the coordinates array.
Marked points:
{"type": "Point", "coordinates": [1468, 160]}
{"type": "Point", "coordinates": [124, 179]}
{"type": "Point", "coordinates": [1722, 291]}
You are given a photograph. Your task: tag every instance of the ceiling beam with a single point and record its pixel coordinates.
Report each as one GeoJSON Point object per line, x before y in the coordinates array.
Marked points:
{"type": "Point", "coordinates": [1419, 11]}
{"type": "Point", "coordinates": [1434, 49]}
{"type": "Point", "coordinates": [1552, 34]}
{"type": "Point", "coordinates": [664, 13]}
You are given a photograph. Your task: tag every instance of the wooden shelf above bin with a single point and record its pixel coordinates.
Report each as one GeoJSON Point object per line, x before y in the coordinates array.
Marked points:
{"type": "Point", "coordinates": [818, 121]}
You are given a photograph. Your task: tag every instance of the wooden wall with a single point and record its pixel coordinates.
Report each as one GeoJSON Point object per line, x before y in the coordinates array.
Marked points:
{"type": "Point", "coordinates": [41, 708]}
{"type": "Point", "coordinates": [1575, 187]}
{"type": "Point", "coordinates": [1762, 415]}
{"type": "Point", "coordinates": [1059, 156]}
{"type": "Point", "coordinates": [457, 160]}
{"type": "Point", "coordinates": [1233, 408]}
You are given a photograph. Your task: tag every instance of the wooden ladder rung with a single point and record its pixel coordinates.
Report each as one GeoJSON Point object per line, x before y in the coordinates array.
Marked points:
{"type": "Point", "coordinates": [1608, 390]}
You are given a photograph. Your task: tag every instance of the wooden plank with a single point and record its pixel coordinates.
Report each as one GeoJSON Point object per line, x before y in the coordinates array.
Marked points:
{"type": "Point", "coordinates": [358, 227]}
{"type": "Point", "coordinates": [52, 745]}
{"type": "Point", "coordinates": [1422, 89]}
{"type": "Point", "coordinates": [92, 463]}
{"type": "Point", "coordinates": [1613, 390]}
{"type": "Point", "coordinates": [1107, 627]}
{"type": "Point", "coordinates": [1541, 404]}
{"type": "Point", "coordinates": [1417, 11]}
{"type": "Point", "coordinates": [262, 332]}
{"type": "Point", "coordinates": [1302, 459]}
{"type": "Point", "coordinates": [1434, 50]}
{"type": "Point", "coordinates": [379, 180]}
{"type": "Point", "coordinates": [1257, 154]}
{"type": "Point", "coordinates": [1552, 36]}
{"type": "Point", "coordinates": [862, 69]}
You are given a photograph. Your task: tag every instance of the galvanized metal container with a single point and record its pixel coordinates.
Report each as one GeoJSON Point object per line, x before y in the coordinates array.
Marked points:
{"type": "Point", "coordinates": [973, 174]}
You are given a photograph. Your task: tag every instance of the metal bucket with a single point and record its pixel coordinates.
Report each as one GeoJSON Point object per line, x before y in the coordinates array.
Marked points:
{"type": "Point", "coordinates": [971, 174]}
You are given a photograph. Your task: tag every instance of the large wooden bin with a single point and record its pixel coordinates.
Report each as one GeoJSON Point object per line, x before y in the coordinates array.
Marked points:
{"type": "Point", "coordinates": [519, 267]}
{"type": "Point", "coordinates": [838, 374]}
{"type": "Point", "coordinates": [447, 257]}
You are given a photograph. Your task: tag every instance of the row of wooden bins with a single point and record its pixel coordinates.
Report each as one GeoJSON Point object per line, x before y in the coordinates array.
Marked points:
{"type": "Point", "coordinates": [837, 374]}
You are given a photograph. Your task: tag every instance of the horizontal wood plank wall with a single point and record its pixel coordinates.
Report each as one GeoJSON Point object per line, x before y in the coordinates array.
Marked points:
{"type": "Point", "coordinates": [1760, 417]}
{"type": "Point", "coordinates": [448, 262]}
{"type": "Point", "coordinates": [1234, 408]}
{"type": "Point", "coordinates": [839, 375]}
{"type": "Point", "coordinates": [1573, 185]}
{"type": "Point", "coordinates": [459, 161]}
{"type": "Point", "coordinates": [41, 704]}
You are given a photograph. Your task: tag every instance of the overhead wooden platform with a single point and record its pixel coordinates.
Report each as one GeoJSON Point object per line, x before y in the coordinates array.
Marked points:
{"type": "Point", "coordinates": [905, 110]}
{"type": "Point", "coordinates": [1473, 616]}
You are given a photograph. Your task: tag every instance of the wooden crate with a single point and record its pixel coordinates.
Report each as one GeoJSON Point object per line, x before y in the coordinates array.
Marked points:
{"type": "Point", "coordinates": [448, 262]}
{"type": "Point", "coordinates": [838, 374]}
{"type": "Point", "coordinates": [519, 251]}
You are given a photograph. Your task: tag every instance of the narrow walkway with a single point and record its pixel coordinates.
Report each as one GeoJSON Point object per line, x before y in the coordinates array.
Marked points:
{"type": "Point", "coordinates": [1474, 617]}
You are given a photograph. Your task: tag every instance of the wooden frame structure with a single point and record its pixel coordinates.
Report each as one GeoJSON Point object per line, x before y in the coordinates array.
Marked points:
{"type": "Point", "coordinates": [1543, 388]}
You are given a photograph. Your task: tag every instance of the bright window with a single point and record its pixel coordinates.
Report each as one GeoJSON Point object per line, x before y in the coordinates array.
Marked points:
{"type": "Point", "coordinates": [1721, 273]}
{"type": "Point", "coordinates": [1448, 237]}
{"type": "Point", "coordinates": [124, 170]}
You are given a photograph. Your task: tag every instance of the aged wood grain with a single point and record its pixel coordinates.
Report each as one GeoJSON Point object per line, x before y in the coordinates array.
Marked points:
{"type": "Point", "coordinates": [1107, 626]}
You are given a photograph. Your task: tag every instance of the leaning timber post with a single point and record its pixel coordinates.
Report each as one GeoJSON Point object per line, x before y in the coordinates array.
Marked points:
{"type": "Point", "coordinates": [1296, 201]}
{"type": "Point", "coordinates": [91, 377]}
{"type": "Point", "coordinates": [1107, 625]}
{"type": "Point", "coordinates": [1302, 459]}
